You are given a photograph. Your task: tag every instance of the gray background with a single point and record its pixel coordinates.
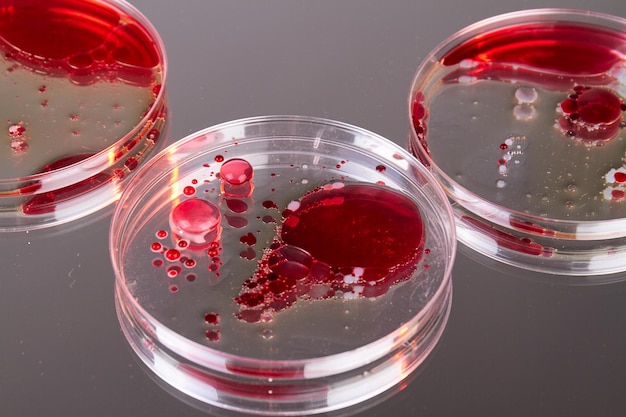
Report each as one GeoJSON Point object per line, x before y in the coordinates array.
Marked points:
{"type": "Point", "coordinates": [516, 344]}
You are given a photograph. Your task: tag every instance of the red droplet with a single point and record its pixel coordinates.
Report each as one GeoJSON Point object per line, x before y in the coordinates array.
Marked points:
{"type": "Point", "coordinates": [212, 318]}
{"type": "Point", "coordinates": [172, 254]}
{"type": "Point", "coordinates": [213, 335]}
{"type": "Point", "coordinates": [189, 190]}
{"type": "Point", "coordinates": [236, 205]}
{"type": "Point", "coordinates": [248, 239]}
{"type": "Point", "coordinates": [236, 171]}
{"type": "Point", "coordinates": [618, 195]}
{"type": "Point", "coordinates": [620, 176]}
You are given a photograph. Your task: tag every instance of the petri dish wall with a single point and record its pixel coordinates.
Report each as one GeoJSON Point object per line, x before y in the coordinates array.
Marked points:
{"type": "Point", "coordinates": [83, 82]}
{"type": "Point", "coordinates": [283, 265]}
{"type": "Point", "coordinates": [521, 118]}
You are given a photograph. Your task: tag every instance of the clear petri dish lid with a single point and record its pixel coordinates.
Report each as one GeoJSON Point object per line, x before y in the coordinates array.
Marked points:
{"type": "Point", "coordinates": [83, 82]}
{"type": "Point", "coordinates": [283, 265]}
{"type": "Point", "coordinates": [521, 118]}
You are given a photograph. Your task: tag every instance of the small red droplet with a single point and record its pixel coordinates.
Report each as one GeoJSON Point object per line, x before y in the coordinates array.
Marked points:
{"type": "Point", "coordinates": [212, 318]}
{"type": "Point", "coordinates": [172, 254]}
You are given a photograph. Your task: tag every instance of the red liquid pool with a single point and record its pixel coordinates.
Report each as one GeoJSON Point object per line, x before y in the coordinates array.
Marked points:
{"type": "Point", "coordinates": [346, 241]}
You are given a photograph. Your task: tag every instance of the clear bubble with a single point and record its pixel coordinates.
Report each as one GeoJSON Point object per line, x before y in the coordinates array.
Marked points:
{"type": "Point", "coordinates": [524, 112]}
{"type": "Point", "coordinates": [526, 95]}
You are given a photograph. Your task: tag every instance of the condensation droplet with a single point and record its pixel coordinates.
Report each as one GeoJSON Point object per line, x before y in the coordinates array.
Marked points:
{"type": "Point", "coordinates": [524, 112]}
{"type": "Point", "coordinates": [267, 334]}
{"type": "Point", "coordinates": [500, 183]}
{"type": "Point", "coordinates": [526, 95]}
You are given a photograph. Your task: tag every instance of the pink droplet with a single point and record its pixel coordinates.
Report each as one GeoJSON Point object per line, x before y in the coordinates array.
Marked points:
{"type": "Point", "coordinates": [236, 171]}
{"type": "Point", "coordinates": [196, 220]}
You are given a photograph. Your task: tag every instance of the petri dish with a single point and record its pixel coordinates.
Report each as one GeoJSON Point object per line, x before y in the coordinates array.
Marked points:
{"type": "Point", "coordinates": [521, 118]}
{"type": "Point", "coordinates": [84, 82]}
{"type": "Point", "coordinates": [283, 265]}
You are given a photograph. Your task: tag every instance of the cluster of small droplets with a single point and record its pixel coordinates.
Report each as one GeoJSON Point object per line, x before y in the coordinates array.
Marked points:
{"type": "Point", "coordinates": [592, 115]}
{"type": "Point", "coordinates": [18, 138]}
{"type": "Point", "coordinates": [615, 181]}
{"type": "Point", "coordinates": [175, 259]}
{"type": "Point", "coordinates": [526, 97]}
{"type": "Point", "coordinates": [512, 150]}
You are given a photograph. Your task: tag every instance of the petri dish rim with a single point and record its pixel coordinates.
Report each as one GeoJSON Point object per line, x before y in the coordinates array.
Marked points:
{"type": "Point", "coordinates": [73, 173]}
{"type": "Point", "coordinates": [485, 25]}
{"type": "Point", "coordinates": [160, 48]}
{"type": "Point", "coordinates": [582, 247]}
{"type": "Point", "coordinates": [205, 355]}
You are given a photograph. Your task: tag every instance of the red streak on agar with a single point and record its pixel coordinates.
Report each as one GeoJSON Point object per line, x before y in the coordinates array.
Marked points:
{"type": "Point", "coordinates": [509, 241]}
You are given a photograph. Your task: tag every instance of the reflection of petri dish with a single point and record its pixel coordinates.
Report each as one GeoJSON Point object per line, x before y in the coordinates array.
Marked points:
{"type": "Point", "coordinates": [521, 119]}
{"type": "Point", "coordinates": [283, 265]}
{"type": "Point", "coordinates": [84, 105]}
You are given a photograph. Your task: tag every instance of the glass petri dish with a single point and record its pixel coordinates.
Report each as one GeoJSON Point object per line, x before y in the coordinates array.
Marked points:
{"type": "Point", "coordinates": [84, 82]}
{"type": "Point", "coordinates": [521, 119]}
{"type": "Point", "coordinates": [283, 265]}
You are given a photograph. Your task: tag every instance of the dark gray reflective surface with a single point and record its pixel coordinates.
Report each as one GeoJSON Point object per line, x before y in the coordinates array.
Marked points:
{"type": "Point", "coordinates": [516, 344]}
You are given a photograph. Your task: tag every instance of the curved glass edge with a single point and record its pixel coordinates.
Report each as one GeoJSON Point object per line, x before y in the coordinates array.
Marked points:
{"type": "Point", "coordinates": [99, 195]}
{"type": "Point", "coordinates": [571, 248]}
{"type": "Point", "coordinates": [284, 398]}
{"type": "Point", "coordinates": [264, 126]}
